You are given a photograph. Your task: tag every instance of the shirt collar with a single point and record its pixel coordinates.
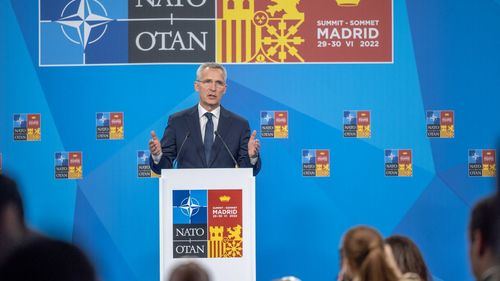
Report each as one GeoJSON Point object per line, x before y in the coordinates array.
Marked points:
{"type": "Point", "coordinates": [202, 111]}
{"type": "Point", "coordinates": [492, 271]}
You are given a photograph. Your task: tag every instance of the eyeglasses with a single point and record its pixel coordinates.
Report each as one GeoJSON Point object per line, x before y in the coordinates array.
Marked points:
{"type": "Point", "coordinates": [209, 82]}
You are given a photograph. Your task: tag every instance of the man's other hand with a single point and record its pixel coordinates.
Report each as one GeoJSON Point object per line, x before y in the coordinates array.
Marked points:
{"type": "Point", "coordinates": [253, 145]}
{"type": "Point", "coordinates": [154, 145]}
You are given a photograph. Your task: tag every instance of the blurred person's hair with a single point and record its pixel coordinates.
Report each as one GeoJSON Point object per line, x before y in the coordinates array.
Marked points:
{"type": "Point", "coordinates": [497, 211]}
{"type": "Point", "coordinates": [408, 257]}
{"type": "Point", "coordinates": [12, 226]}
{"type": "Point", "coordinates": [496, 228]}
{"type": "Point", "coordinates": [189, 272]}
{"type": "Point", "coordinates": [484, 218]}
{"type": "Point", "coordinates": [363, 250]}
{"type": "Point", "coordinates": [47, 260]}
{"type": "Point", "coordinates": [10, 196]}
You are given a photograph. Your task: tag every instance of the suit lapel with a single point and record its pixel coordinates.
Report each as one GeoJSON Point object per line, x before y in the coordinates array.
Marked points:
{"type": "Point", "coordinates": [194, 127]}
{"type": "Point", "coordinates": [223, 128]}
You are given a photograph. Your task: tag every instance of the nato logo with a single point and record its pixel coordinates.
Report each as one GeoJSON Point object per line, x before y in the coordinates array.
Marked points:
{"type": "Point", "coordinates": [190, 230]}
{"type": "Point", "coordinates": [20, 128]}
{"type": "Point", "coordinates": [267, 124]}
{"type": "Point", "coordinates": [107, 32]}
{"type": "Point", "coordinates": [308, 156]}
{"type": "Point", "coordinates": [143, 168]}
{"type": "Point", "coordinates": [350, 124]}
{"type": "Point", "coordinates": [433, 117]}
{"type": "Point", "coordinates": [102, 126]}
{"type": "Point", "coordinates": [391, 156]}
{"type": "Point", "coordinates": [350, 117]}
{"type": "Point", "coordinates": [391, 162]}
{"type": "Point", "coordinates": [102, 119]}
{"type": "Point", "coordinates": [433, 121]}
{"type": "Point", "coordinates": [189, 206]}
{"type": "Point", "coordinates": [80, 32]}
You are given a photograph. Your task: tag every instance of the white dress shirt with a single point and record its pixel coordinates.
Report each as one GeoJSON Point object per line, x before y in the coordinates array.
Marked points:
{"type": "Point", "coordinates": [204, 120]}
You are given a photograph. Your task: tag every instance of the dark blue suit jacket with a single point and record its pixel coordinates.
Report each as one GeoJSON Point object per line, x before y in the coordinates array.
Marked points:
{"type": "Point", "coordinates": [233, 129]}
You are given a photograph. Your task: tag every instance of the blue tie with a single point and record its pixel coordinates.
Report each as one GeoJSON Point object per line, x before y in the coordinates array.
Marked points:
{"type": "Point", "coordinates": [209, 136]}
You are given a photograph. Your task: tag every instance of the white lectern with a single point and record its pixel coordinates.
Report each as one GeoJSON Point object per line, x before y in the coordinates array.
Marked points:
{"type": "Point", "coordinates": [208, 216]}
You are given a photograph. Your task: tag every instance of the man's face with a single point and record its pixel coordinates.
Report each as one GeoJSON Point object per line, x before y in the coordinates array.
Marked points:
{"type": "Point", "coordinates": [211, 86]}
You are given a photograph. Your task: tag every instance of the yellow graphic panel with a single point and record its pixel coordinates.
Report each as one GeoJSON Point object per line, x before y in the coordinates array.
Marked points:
{"type": "Point", "coordinates": [364, 131]}
{"type": "Point", "coordinates": [447, 131]}
{"type": "Point", "coordinates": [246, 35]}
{"type": "Point", "coordinates": [225, 242]}
{"type": "Point", "coordinates": [75, 172]}
{"type": "Point", "coordinates": [34, 134]}
{"type": "Point", "coordinates": [116, 133]}
{"type": "Point", "coordinates": [322, 170]}
{"type": "Point", "coordinates": [489, 170]}
{"type": "Point", "coordinates": [280, 131]}
{"type": "Point", "coordinates": [405, 170]}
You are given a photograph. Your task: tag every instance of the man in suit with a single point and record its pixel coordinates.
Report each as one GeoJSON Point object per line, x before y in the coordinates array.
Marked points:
{"type": "Point", "coordinates": [196, 137]}
{"type": "Point", "coordinates": [482, 235]}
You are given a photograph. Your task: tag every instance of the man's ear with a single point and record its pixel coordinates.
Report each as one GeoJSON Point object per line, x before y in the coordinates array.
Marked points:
{"type": "Point", "coordinates": [225, 89]}
{"type": "Point", "coordinates": [479, 242]}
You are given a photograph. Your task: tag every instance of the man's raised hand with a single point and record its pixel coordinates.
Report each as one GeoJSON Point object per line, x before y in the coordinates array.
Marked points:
{"type": "Point", "coordinates": [154, 145]}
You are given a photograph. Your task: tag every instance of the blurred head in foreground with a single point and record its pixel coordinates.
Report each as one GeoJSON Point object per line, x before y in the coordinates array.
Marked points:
{"type": "Point", "coordinates": [47, 260]}
{"type": "Point", "coordinates": [408, 257]}
{"type": "Point", "coordinates": [189, 272]}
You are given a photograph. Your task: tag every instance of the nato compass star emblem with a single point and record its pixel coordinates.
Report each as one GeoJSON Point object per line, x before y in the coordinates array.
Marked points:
{"type": "Point", "coordinates": [475, 156]}
{"type": "Point", "coordinates": [88, 24]}
{"type": "Point", "coordinates": [267, 118]}
{"type": "Point", "coordinates": [144, 158]}
{"type": "Point", "coordinates": [308, 157]}
{"type": "Point", "coordinates": [102, 120]}
{"type": "Point", "coordinates": [60, 159]}
{"type": "Point", "coordinates": [350, 117]}
{"type": "Point", "coordinates": [391, 156]}
{"type": "Point", "coordinates": [433, 117]}
{"type": "Point", "coordinates": [190, 206]}
{"type": "Point", "coordinates": [19, 121]}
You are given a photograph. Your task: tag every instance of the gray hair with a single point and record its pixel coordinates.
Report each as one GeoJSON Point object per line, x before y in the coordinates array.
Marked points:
{"type": "Point", "coordinates": [211, 65]}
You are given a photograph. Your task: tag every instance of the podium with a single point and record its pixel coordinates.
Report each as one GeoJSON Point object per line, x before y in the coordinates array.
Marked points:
{"type": "Point", "coordinates": [208, 216]}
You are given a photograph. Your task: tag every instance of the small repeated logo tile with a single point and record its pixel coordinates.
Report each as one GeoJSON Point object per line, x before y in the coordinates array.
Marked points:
{"type": "Point", "coordinates": [143, 168]}
{"type": "Point", "coordinates": [109, 125]}
{"type": "Point", "coordinates": [357, 124]}
{"type": "Point", "coordinates": [316, 162]}
{"type": "Point", "coordinates": [398, 162]}
{"type": "Point", "coordinates": [482, 162]}
{"type": "Point", "coordinates": [274, 124]}
{"type": "Point", "coordinates": [440, 123]}
{"type": "Point", "coordinates": [68, 165]}
{"type": "Point", "coordinates": [27, 127]}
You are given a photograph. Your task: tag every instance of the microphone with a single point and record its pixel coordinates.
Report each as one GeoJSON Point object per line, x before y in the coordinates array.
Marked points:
{"type": "Point", "coordinates": [227, 149]}
{"type": "Point", "coordinates": [176, 162]}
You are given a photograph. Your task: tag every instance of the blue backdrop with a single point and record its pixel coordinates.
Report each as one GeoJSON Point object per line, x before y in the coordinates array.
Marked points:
{"type": "Point", "coordinates": [446, 57]}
